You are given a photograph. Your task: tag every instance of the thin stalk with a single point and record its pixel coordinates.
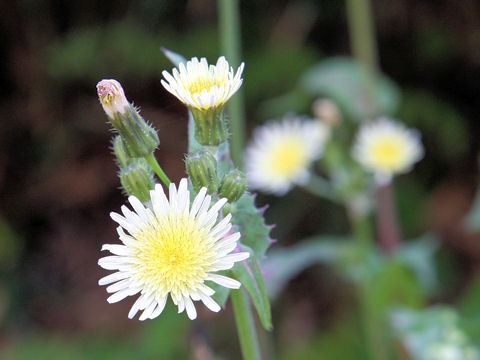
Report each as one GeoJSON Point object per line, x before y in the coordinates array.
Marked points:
{"type": "Point", "coordinates": [362, 34]}
{"type": "Point", "coordinates": [371, 319]}
{"type": "Point", "coordinates": [158, 169]}
{"type": "Point", "coordinates": [364, 49]}
{"type": "Point", "coordinates": [230, 39]}
{"type": "Point", "coordinates": [387, 228]}
{"type": "Point", "coordinates": [245, 325]}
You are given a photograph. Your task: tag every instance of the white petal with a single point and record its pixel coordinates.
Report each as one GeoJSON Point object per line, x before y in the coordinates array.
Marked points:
{"type": "Point", "coordinates": [138, 207]}
{"type": "Point", "coordinates": [116, 276]}
{"type": "Point", "coordinates": [210, 303]}
{"type": "Point", "coordinates": [191, 311]}
{"type": "Point", "coordinates": [224, 281]}
{"type": "Point", "coordinates": [122, 222]}
{"type": "Point", "coordinates": [120, 250]}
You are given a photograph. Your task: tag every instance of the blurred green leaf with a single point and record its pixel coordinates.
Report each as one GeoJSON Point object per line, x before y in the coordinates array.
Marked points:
{"type": "Point", "coordinates": [175, 58]}
{"type": "Point", "coordinates": [249, 274]}
{"type": "Point", "coordinates": [419, 255]}
{"type": "Point", "coordinates": [433, 333]}
{"type": "Point", "coordinates": [11, 246]}
{"type": "Point", "coordinates": [346, 82]}
{"type": "Point", "coordinates": [283, 264]}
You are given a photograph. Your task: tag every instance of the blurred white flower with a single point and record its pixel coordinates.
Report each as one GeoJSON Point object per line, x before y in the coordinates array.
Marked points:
{"type": "Point", "coordinates": [281, 153]}
{"type": "Point", "coordinates": [172, 248]}
{"type": "Point", "coordinates": [387, 147]}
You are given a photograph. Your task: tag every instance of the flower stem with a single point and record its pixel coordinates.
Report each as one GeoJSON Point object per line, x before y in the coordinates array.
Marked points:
{"type": "Point", "coordinates": [245, 325]}
{"type": "Point", "coordinates": [387, 226]}
{"type": "Point", "coordinates": [371, 318]}
{"type": "Point", "coordinates": [158, 170]}
{"type": "Point", "coordinates": [362, 34]}
{"type": "Point", "coordinates": [230, 38]}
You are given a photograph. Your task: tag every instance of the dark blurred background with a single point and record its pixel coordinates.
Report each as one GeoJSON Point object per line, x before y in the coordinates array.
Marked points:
{"type": "Point", "coordinates": [58, 179]}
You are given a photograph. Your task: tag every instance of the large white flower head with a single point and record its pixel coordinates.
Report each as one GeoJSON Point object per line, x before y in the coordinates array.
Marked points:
{"type": "Point", "coordinates": [387, 147]}
{"type": "Point", "coordinates": [171, 249]}
{"type": "Point", "coordinates": [281, 153]}
{"type": "Point", "coordinates": [202, 86]}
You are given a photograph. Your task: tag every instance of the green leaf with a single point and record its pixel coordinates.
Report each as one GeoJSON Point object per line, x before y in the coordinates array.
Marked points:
{"type": "Point", "coordinates": [430, 332]}
{"type": "Point", "coordinates": [346, 82]}
{"type": "Point", "coordinates": [249, 274]}
{"type": "Point", "coordinates": [175, 58]}
{"type": "Point", "coordinates": [283, 264]}
{"type": "Point", "coordinates": [255, 233]}
{"type": "Point", "coordinates": [419, 255]}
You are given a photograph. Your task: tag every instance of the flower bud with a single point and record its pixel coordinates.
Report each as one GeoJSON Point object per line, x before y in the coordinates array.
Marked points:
{"type": "Point", "coordinates": [120, 152]}
{"type": "Point", "coordinates": [327, 111]}
{"type": "Point", "coordinates": [140, 139]}
{"type": "Point", "coordinates": [233, 185]}
{"type": "Point", "coordinates": [202, 170]}
{"type": "Point", "coordinates": [137, 179]}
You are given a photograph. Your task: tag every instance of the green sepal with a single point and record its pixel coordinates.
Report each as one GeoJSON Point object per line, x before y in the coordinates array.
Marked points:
{"type": "Point", "coordinates": [140, 139]}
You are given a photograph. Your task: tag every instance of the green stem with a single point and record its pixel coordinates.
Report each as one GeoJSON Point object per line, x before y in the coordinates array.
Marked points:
{"type": "Point", "coordinates": [230, 38]}
{"type": "Point", "coordinates": [362, 34]}
{"type": "Point", "coordinates": [158, 170]}
{"type": "Point", "coordinates": [245, 325]}
{"type": "Point", "coordinates": [371, 318]}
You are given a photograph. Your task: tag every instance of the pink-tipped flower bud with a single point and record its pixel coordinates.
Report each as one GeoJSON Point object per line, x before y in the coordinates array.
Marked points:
{"type": "Point", "coordinates": [112, 97]}
{"type": "Point", "coordinates": [140, 138]}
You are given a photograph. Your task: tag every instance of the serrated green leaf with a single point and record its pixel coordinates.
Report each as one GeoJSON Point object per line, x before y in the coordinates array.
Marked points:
{"type": "Point", "coordinates": [175, 58]}
{"type": "Point", "coordinates": [249, 219]}
{"type": "Point", "coordinates": [249, 274]}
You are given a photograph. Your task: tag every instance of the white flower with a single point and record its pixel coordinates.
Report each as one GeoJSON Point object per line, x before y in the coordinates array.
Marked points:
{"type": "Point", "coordinates": [202, 86]}
{"type": "Point", "coordinates": [387, 147]}
{"type": "Point", "coordinates": [281, 153]}
{"type": "Point", "coordinates": [172, 248]}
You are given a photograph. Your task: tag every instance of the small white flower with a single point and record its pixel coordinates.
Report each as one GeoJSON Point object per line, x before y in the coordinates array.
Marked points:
{"type": "Point", "coordinates": [387, 147]}
{"type": "Point", "coordinates": [172, 248]}
{"type": "Point", "coordinates": [281, 153]}
{"type": "Point", "coordinates": [202, 86]}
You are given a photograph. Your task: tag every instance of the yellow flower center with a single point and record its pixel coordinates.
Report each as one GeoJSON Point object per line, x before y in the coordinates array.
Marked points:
{"type": "Point", "coordinates": [287, 157]}
{"type": "Point", "coordinates": [174, 254]}
{"type": "Point", "coordinates": [389, 153]}
{"type": "Point", "coordinates": [197, 84]}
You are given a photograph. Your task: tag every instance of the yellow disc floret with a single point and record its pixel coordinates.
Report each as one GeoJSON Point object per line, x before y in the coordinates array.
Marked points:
{"type": "Point", "coordinates": [174, 254]}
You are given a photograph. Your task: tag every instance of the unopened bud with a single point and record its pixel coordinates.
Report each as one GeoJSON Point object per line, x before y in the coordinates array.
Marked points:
{"type": "Point", "coordinates": [202, 170]}
{"type": "Point", "coordinates": [233, 185]}
{"type": "Point", "coordinates": [140, 139]}
{"type": "Point", "coordinates": [137, 179]}
{"type": "Point", "coordinates": [120, 152]}
{"type": "Point", "coordinates": [327, 111]}
{"type": "Point", "coordinates": [112, 97]}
